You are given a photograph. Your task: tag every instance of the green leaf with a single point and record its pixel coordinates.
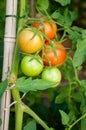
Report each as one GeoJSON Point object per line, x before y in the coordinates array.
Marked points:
{"type": "Point", "coordinates": [83, 124]}
{"type": "Point", "coordinates": [64, 117]}
{"type": "Point", "coordinates": [3, 86]}
{"type": "Point", "coordinates": [83, 111]}
{"type": "Point", "coordinates": [83, 84]}
{"type": "Point", "coordinates": [74, 33]}
{"type": "Point", "coordinates": [77, 96]}
{"type": "Point", "coordinates": [80, 54]}
{"type": "Point", "coordinates": [72, 116]}
{"type": "Point", "coordinates": [52, 129]}
{"type": "Point", "coordinates": [25, 85]}
{"type": "Point", "coordinates": [63, 95]}
{"type": "Point", "coordinates": [78, 29]}
{"type": "Point", "coordinates": [31, 125]}
{"type": "Point", "coordinates": [60, 98]}
{"type": "Point", "coordinates": [63, 2]}
{"type": "Point", "coordinates": [64, 17]}
{"type": "Point", "coordinates": [42, 4]}
{"type": "Point", "coordinates": [68, 70]}
{"type": "Point", "coordinates": [0, 122]}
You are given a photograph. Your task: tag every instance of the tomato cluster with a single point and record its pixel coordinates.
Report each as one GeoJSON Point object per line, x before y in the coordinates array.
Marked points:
{"type": "Point", "coordinates": [43, 54]}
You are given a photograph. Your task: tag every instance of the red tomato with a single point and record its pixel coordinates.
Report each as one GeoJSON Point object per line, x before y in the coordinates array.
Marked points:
{"type": "Point", "coordinates": [54, 56]}
{"type": "Point", "coordinates": [48, 28]}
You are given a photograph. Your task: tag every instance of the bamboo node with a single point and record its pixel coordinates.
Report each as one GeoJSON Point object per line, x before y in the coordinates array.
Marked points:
{"type": "Point", "coordinates": [10, 105]}
{"type": "Point", "coordinates": [9, 39]}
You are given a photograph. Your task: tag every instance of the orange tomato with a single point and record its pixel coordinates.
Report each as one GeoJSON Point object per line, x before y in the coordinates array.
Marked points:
{"type": "Point", "coordinates": [54, 57]}
{"type": "Point", "coordinates": [48, 28]}
{"type": "Point", "coordinates": [29, 41]}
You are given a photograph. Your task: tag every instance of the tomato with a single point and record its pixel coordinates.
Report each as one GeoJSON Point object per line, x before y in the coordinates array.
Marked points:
{"type": "Point", "coordinates": [30, 41]}
{"type": "Point", "coordinates": [48, 28]}
{"type": "Point", "coordinates": [52, 74]}
{"type": "Point", "coordinates": [31, 66]}
{"type": "Point", "coordinates": [56, 56]}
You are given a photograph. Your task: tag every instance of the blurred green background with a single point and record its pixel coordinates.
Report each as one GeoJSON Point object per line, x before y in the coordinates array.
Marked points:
{"type": "Point", "coordinates": [2, 27]}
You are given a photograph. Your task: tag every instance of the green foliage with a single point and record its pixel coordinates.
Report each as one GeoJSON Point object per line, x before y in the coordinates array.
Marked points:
{"type": "Point", "coordinates": [65, 117]}
{"type": "Point", "coordinates": [31, 125]}
{"type": "Point", "coordinates": [68, 70]}
{"type": "Point", "coordinates": [64, 17]}
{"type": "Point", "coordinates": [42, 4]}
{"type": "Point", "coordinates": [63, 2]}
{"type": "Point", "coordinates": [74, 33]}
{"type": "Point", "coordinates": [83, 111]}
{"type": "Point", "coordinates": [25, 85]}
{"type": "Point", "coordinates": [80, 54]}
{"type": "Point", "coordinates": [83, 124]}
{"type": "Point", "coordinates": [63, 95]}
{"type": "Point", "coordinates": [2, 19]}
{"type": "Point", "coordinates": [52, 129]}
{"type": "Point", "coordinates": [3, 86]}
{"type": "Point", "coordinates": [1, 58]}
{"type": "Point", "coordinates": [0, 122]}
{"type": "Point", "coordinates": [72, 116]}
{"type": "Point", "coordinates": [83, 84]}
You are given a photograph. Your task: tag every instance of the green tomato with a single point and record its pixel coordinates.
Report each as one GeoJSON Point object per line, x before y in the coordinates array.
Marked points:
{"type": "Point", "coordinates": [31, 66]}
{"type": "Point", "coordinates": [52, 74]}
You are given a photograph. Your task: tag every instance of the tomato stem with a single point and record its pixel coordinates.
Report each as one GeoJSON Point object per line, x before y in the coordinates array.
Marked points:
{"type": "Point", "coordinates": [14, 73]}
{"type": "Point", "coordinates": [79, 119]}
{"type": "Point", "coordinates": [16, 52]}
{"type": "Point", "coordinates": [36, 117]}
{"type": "Point", "coordinates": [18, 109]}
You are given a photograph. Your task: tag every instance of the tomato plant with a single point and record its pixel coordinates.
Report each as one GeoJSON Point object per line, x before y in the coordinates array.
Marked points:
{"type": "Point", "coordinates": [31, 66]}
{"type": "Point", "coordinates": [49, 28]}
{"type": "Point", "coordinates": [29, 40]}
{"type": "Point", "coordinates": [52, 74]}
{"type": "Point", "coordinates": [45, 64]}
{"type": "Point", "coordinates": [54, 55]}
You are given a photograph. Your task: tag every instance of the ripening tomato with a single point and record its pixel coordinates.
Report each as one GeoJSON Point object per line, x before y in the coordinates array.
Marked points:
{"type": "Point", "coordinates": [31, 66]}
{"type": "Point", "coordinates": [48, 28]}
{"type": "Point", "coordinates": [30, 41]}
{"type": "Point", "coordinates": [52, 74]}
{"type": "Point", "coordinates": [54, 56]}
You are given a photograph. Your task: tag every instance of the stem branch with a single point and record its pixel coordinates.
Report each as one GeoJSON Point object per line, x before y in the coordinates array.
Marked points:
{"type": "Point", "coordinates": [36, 117]}
{"type": "Point", "coordinates": [83, 116]}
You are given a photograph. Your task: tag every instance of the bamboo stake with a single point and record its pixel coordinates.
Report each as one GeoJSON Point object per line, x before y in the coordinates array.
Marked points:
{"type": "Point", "coordinates": [9, 43]}
{"type": "Point", "coordinates": [32, 2]}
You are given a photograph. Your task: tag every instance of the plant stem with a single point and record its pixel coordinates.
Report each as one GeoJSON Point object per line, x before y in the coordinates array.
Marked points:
{"type": "Point", "coordinates": [14, 72]}
{"type": "Point", "coordinates": [83, 116]}
{"type": "Point", "coordinates": [36, 117]}
{"type": "Point", "coordinates": [16, 53]}
{"type": "Point", "coordinates": [19, 116]}
{"type": "Point", "coordinates": [18, 109]}
{"type": "Point", "coordinates": [69, 95]}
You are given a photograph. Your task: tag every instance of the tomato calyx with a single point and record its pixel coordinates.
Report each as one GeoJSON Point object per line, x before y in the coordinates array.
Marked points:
{"type": "Point", "coordinates": [53, 53]}
{"type": "Point", "coordinates": [48, 28]}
